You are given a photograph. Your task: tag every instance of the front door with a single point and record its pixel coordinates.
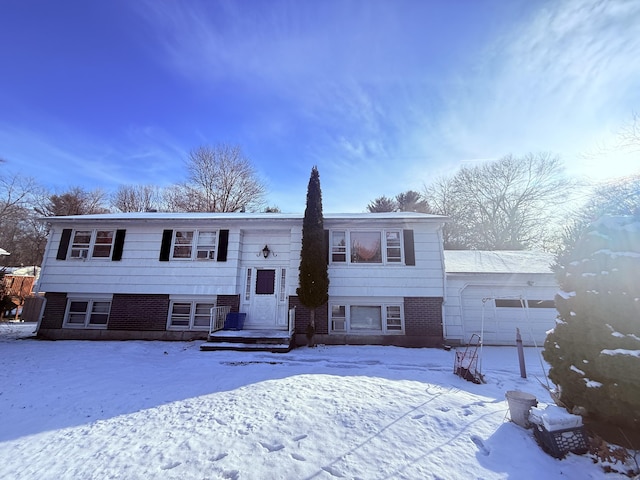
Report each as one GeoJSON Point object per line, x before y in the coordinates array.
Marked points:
{"type": "Point", "coordinates": [263, 298]}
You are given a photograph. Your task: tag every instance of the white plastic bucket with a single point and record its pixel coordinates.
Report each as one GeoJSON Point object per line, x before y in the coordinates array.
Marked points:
{"type": "Point", "coordinates": [519, 405]}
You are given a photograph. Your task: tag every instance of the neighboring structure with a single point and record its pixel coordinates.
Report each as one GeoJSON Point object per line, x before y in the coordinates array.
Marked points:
{"type": "Point", "coordinates": [493, 293]}
{"type": "Point", "coordinates": [157, 276]}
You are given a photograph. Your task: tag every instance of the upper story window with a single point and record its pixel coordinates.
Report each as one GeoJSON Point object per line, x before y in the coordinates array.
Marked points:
{"type": "Point", "coordinates": [366, 246]}
{"type": "Point", "coordinates": [194, 244]}
{"type": "Point", "coordinates": [92, 244]}
{"type": "Point", "coordinates": [105, 244]}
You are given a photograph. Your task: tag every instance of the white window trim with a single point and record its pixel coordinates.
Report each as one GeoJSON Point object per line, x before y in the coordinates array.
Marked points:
{"type": "Point", "coordinates": [383, 246]}
{"type": "Point", "coordinates": [92, 244]}
{"type": "Point", "coordinates": [195, 243]}
{"type": "Point", "coordinates": [90, 299]}
{"type": "Point", "coordinates": [192, 310]}
{"type": "Point", "coordinates": [347, 303]}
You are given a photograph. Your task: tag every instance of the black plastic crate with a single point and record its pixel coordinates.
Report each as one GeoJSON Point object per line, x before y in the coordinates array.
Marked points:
{"type": "Point", "coordinates": [560, 442]}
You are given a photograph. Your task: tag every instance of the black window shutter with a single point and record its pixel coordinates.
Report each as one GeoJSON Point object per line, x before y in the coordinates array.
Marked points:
{"type": "Point", "coordinates": [64, 244]}
{"type": "Point", "coordinates": [223, 244]}
{"type": "Point", "coordinates": [409, 250]}
{"type": "Point", "coordinates": [118, 245]}
{"type": "Point", "coordinates": [165, 248]}
{"type": "Point", "coordinates": [327, 246]}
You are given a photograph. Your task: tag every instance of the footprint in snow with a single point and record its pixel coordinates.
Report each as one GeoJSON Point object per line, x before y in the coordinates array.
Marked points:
{"type": "Point", "coordinates": [300, 458]}
{"type": "Point", "coordinates": [171, 465]}
{"type": "Point", "coordinates": [418, 417]}
{"type": "Point", "coordinates": [299, 437]}
{"type": "Point", "coordinates": [332, 471]}
{"type": "Point", "coordinates": [484, 450]}
{"type": "Point", "coordinates": [272, 448]}
{"type": "Point", "coordinates": [231, 475]}
{"type": "Point", "coordinates": [220, 456]}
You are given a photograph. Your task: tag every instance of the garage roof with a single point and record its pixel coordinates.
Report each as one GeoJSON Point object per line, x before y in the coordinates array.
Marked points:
{"type": "Point", "coordinates": [503, 261]}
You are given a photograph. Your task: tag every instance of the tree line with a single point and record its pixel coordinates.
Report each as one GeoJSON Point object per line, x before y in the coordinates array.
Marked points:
{"type": "Point", "coordinates": [219, 178]}
{"type": "Point", "coordinates": [515, 203]}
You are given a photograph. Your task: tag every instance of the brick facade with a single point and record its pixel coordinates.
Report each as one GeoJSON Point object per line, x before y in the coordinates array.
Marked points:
{"type": "Point", "coordinates": [132, 316]}
{"type": "Point", "coordinates": [139, 312]}
{"type": "Point", "coordinates": [232, 301]}
{"type": "Point", "coordinates": [423, 316]}
{"type": "Point", "coordinates": [54, 310]}
{"type": "Point", "coordinates": [303, 316]}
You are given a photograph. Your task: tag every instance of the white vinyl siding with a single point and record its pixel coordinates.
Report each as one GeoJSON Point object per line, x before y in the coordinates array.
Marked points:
{"type": "Point", "coordinates": [141, 272]}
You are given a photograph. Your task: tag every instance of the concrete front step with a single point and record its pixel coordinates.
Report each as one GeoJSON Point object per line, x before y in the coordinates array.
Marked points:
{"type": "Point", "coordinates": [249, 340]}
{"type": "Point", "coordinates": [245, 347]}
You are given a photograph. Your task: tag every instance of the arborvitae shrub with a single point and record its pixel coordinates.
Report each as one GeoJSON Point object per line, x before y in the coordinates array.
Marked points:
{"type": "Point", "coordinates": [594, 350]}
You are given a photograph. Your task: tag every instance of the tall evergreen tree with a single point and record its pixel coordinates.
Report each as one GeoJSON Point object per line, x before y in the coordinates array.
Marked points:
{"type": "Point", "coordinates": [313, 289]}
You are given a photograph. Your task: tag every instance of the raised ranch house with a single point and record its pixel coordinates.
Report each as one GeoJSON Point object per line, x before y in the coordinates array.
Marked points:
{"type": "Point", "coordinates": [174, 276]}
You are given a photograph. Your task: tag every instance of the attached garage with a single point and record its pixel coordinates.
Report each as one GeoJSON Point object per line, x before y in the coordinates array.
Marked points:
{"type": "Point", "coordinates": [492, 294]}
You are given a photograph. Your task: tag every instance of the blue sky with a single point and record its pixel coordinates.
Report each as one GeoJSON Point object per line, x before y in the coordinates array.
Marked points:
{"type": "Point", "coordinates": [383, 96]}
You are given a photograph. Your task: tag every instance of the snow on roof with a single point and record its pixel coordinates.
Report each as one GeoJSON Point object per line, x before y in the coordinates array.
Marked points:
{"type": "Point", "coordinates": [4, 252]}
{"type": "Point", "coordinates": [146, 216]}
{"type": "Point", "coordinates": [499, 261]}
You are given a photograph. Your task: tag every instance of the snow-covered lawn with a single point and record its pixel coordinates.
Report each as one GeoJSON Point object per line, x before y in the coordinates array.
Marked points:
{"type": "Point", "coordinates": [146, 410]}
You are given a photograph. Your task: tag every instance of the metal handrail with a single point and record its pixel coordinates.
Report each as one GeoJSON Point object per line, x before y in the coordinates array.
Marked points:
{"type": "Point", "coordinates": [217, 317]}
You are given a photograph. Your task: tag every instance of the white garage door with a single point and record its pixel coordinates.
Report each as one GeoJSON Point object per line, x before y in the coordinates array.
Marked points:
{"type": "Point", "coordinates": [494, 313]}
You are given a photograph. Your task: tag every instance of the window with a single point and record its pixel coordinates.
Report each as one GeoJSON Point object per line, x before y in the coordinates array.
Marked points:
{"type": "Point", "coordinates": [338, 318]}
{"type": "Point", "coordinates": [367, 246]}
{"type": "Point", "coordinates": [508, 303]}
{"type": "Point", "coordinates": [394, 251]}
{"type": "Point", "coordinates": [87, 313]}
{"type": "Point", "coordinates": [103, 244]}
{"type": "Point", "coordinates": [206, 249]}
{"type": "Point", "coordinates": [81, 243]}
{"type": "Point", "coordinates": [541, 303]}
{"type": "Point", "coordinates": [384, 319]}
{"type": "Point", "coordinates": [182, 244]}
{"type": "Point", "coordinates": [186, 242]}
{"type": "Point", "coordinates": [98, 242]}
{"type": "Point", "coordinates": [265, 282]}
{"type": "Point", "coordinates": [365, 317]}
{"type": "Point", "coordinates": [338, 246]}
{"type": "Point", "coordinates": [93, 244]}
{"type": "Point", "coordinates": [190, 314]}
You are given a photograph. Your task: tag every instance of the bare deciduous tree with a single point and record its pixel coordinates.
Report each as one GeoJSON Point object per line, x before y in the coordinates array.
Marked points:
{"type": "Point", "coordinates": [508, 204]}
{"type": "Point", "coordinates": [20, 233]}
{"type": "Point", "coordinates": [75, 201]}
{"type": "Point", "coordinates": [137, 198]}
{"type": "Point", "coordinates": [221, 179]}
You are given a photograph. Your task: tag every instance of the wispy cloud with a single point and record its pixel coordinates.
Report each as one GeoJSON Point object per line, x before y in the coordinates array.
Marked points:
{"type": "Point", "coordinates": [556, 82]}
{"type": "Point", "coordinates": [65, 157]}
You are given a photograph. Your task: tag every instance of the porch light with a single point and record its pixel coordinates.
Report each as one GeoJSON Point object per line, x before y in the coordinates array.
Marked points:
{"type": "Point", "coordinates": [266, 251]}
